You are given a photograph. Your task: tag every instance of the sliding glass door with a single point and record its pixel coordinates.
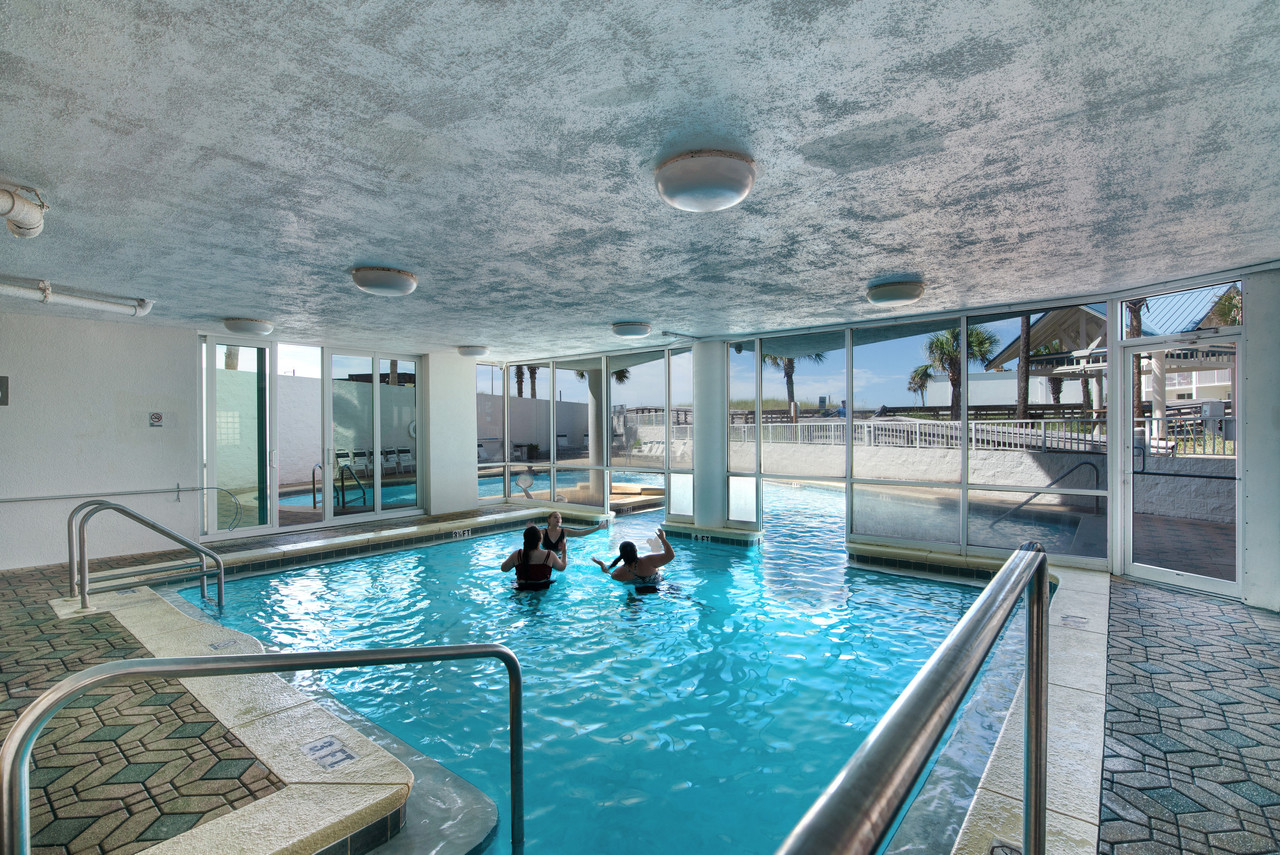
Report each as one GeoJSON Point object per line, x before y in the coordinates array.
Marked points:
{"type": "Point", "coordinates": [300, 435]}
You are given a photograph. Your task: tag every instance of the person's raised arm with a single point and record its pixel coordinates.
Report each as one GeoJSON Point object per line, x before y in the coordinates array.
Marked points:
{"type": "Point", "coordinates": [557, 560]}
{"type": "Point", "coordinates": [580, 532]}
{"type": "Point", "coordinates": [512, 560]}
{"type": "Point", "coordinates": [654, 560]}
{"type": "Point", "coordinates": [603, 566]}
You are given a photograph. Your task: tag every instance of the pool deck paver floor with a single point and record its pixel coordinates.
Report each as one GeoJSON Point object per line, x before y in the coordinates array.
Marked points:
{"type": "Point", "coordinates": [126, 765]}
{"type": "Point", "coordinates": [1192, 745]}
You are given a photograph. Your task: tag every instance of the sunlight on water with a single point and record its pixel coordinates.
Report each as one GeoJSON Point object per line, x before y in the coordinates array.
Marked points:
{"type": "Point", "coordinates": [704, 718]}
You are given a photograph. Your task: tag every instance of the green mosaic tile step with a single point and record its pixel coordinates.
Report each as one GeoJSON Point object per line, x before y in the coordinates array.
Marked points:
{"type": "Point", "coordinates": [195, 728]}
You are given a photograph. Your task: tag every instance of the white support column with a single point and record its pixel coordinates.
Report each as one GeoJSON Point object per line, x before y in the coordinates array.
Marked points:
{"type": "Point", "coordinates": [710, 435]}
{"type": "Point", "coordinates": [1157, 395]}
{"type": "Point", "coordinates": [450, 443]}
{"type": "Point", "coordinates": [1259, 436]}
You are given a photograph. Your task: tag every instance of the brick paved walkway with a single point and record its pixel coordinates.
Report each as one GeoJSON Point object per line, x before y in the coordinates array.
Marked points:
{"type": "Point", "coordinates": [127, 765]}
{"type": "Point", "coordinates": [1192, 755]}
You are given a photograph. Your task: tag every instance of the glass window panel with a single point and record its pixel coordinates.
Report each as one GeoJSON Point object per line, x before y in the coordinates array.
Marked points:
{"type": "Point", "coordinates": [636, 491]}
{"type": "Point", "coordinates": [240, 425]}
{"type": "Point", "coordinates": [1220, 305]}
{"type": "Point", "coordinates": [902, 420]}
{"type": "Point", "coordinates": [1047, 426]}
{"type": "Point", "coordinates": [530, 482]}
{"type": "Point", "coordinates": [489, 444]}
{"type": "Point", "coordinates": [638, 414]}
{"type": "Point", "coordinates": [398, 451]}
{"type": "Point", "coordinates": [489, 481]}
{"type": "Point", "coordinates": [742, 407]}
{"type": "Point", "coordinates": [681, 416]}
{"type": "Point", "coordinates": [911, 513]}
{"type": "Point", "coordinates": [802, 397]}
{"type": "Point", "coordinates": [680, 496]}
{"type": "Point", "coordinates": [579, 403]}
{"type": "Point", "coordinates": [1064, 525]}
{"type": "Point", "coordinates": [580, 486]}
{"type": "Point", "coordinates": [742, 499]}
{"type": "Point", "coordinates": [300, 434]}
{"type": "Point", "coordinates": [529, 412]}
{"type": "Point", "coordinates": [353, 444]}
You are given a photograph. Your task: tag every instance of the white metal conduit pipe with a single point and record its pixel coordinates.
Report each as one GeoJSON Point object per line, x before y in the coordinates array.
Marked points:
{"type": "Point", "coordinates": [43, 292]}
{"type": "Point", "coordinates": [26, 218]}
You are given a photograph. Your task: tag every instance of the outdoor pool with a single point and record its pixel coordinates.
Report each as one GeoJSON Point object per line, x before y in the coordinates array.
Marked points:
{"type": "Point", "coordinates": [704, 718]}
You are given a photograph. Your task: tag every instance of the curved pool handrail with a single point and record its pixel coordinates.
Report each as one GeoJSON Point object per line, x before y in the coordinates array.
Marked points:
{"type": "Point", "coordinates": [859, 806]}
{"type": "Point", "coordinates": [15, 754]}
{"type": "Point", "coordinates": [97, 506]}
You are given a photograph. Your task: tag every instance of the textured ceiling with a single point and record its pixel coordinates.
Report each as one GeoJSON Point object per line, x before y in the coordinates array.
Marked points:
{"type": "Point", "coordinates": [238, 158]}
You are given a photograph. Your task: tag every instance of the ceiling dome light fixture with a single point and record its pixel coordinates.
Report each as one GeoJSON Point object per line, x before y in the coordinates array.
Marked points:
{"type": "Point", "coordinates": [473, 350]}
{"type": "Point", "coordinates": [631, 329]}
{"type": "Point", "coordinates": [248, 326]}
{"type": "Point", "coordinates": [895, 289]}
{"type": "Point", "coordinates": [384, 281]}
{"type": "Point", "coordinates": [706, 180]}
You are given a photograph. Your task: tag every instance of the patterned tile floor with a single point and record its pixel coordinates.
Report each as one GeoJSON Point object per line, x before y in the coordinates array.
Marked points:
{"type": "Point", "coordinates": [1192, 750]}
{"type": "Point", "coordinates": [127, 765]}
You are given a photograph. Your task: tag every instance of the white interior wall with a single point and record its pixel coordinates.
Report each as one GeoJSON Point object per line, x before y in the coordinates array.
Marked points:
{"type": "Point", "coordinates": [450, 443]}
{"type": "Point", "coordinates": [80, 395]}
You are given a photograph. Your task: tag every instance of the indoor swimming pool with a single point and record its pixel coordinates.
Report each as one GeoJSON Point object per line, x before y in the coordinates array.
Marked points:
{"type": "Point", "coordinates": [703, 718]}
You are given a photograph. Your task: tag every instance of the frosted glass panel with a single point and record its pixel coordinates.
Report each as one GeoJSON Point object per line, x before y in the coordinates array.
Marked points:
{"type": "Point", "coordinates": [680, 496]}
{"type": "Point", "coordinates": [742, 499]}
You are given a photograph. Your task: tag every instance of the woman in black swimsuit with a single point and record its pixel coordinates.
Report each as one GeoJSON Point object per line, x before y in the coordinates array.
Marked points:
{"type": "Point", "coordinates": [553, 536]}
{"type": "Point", "coordinates": [532, 563]}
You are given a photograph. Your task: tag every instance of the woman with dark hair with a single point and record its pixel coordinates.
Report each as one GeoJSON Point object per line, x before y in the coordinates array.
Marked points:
{"type": "Point", "coordinates": [638, 569]}
{"type": "Point", "coordinates": [532, 563]}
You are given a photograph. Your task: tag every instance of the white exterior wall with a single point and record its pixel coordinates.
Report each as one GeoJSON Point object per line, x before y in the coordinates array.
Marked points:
{"type": "Point", "coordinates": [1001, 387]}
{"type": "Point", "coordinates": [77, 423]}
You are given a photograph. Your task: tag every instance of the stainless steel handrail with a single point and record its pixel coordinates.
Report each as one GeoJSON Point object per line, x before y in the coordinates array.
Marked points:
{"type": "Point", "coordinates": [860, 804]}
{"type": "Point", "coordinates": [77, 548]}
{"type": "Point", "coordinates": [15, 755]}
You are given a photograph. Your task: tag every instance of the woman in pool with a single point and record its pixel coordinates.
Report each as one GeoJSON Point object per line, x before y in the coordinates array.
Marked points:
{"type": "Point", "coordinates": [533, 564]}
{"type": "Point", "coordinates": [636, 569]}
{"type": "Point", "coordinates": [553, 536]}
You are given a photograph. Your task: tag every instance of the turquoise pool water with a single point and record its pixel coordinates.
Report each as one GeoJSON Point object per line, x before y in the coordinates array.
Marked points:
{"type": "Point", "coordinates": [704, 718]}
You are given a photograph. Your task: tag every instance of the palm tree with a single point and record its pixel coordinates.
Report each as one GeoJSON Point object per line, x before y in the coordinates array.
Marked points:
{"type": "Point", "coordinates": [519, 381]}
{"type": "Point", "coordinates": [1228, 311]}
{"type": "Point", "coordinates": [533, 381]}
{"type": "Point", "coordinates": [943, 350]}
{"type": "Point", "coordinates": [1135, 331]}
{"type": "Point", "coordinates": [918, 382]}
{"type": "Point", "coordinates": [787, 365]}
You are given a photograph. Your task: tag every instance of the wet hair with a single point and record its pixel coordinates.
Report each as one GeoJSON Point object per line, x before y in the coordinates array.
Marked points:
{"type": "Point", "coordinates": [626, 554]}
{"type": "Point", "coordinates": [532, 539]}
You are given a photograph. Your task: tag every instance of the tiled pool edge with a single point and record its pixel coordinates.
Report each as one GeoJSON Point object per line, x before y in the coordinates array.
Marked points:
{"type": "Point", "coordinates": [318, 812]}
